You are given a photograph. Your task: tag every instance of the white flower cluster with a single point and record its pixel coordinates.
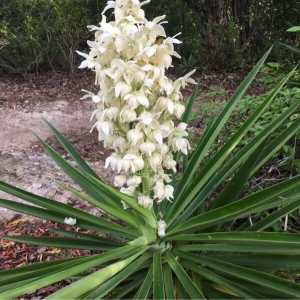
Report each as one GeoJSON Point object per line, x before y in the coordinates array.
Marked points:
{"type": "Point", "coordinates": [136, 100]}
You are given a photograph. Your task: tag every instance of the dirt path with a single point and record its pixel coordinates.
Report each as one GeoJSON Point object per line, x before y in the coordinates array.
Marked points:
{"type": "Point", "coordinates": [23, 105]}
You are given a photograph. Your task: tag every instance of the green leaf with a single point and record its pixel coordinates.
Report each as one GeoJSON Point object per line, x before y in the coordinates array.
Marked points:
{"type": "Point", "coordinates": [180, 291]}
{"type": "Point", "coordinates": [90, 282]}
{"type": "Point", "coordinates": [158, 282]}
{"type": "Point", "coordinates": [63, 242]}
{"type": "Point", "coordinates": [267, 221]}
{"type": "Point", "coordinates": [72, 268]}
{"type": "Point", "coordinates": [13, 278]}
{"type": "Point", "coordinates": [294, 29]}
{"type": "Point", "coordinates": [290, 47]}
{"type": "Point", "coordinates": [237, 209]}
{"type": "Point", "coordinates": [106, 287]}
{"type": "Point", "coordinates": [288, 288]}
{"type": "Point", "coordinates": [36, 267]}
{"type": "Point", "coordinates": [84, 167]}
{"type": "Point", "coordinates": [83, 236]}
{"type": "Point", "coordinates": [83, 220]}
{"type": "Point", "coordinates": [211, 168]}
{"type": "Point", "coordinates": [147, 214]}
{"type": "Point", "coordinates": [128, 217]}
{"type": "Point", "coordinates": [86, 184]}
{"type": "Point", "coordinates": [214, 291]}
{"type": "Point", "coordinates": [145, 287]}
{"type": "Point", "coordinates": [239, 248]}
{"type": "Point", "coordinates": [276, 144]}
{"type": "Point", "coordinates": [235, 186]}
{"type": "Point", "coordinates": [223, 282]}
{"type": "Point", "coordinates": [243, 238]}
{"type": "Point", "coordinates": [168, 281]}
{"type": "Point", "coordinates": [216, 127]}
{"type": "Point", "coordinates": [262, 261]}
{"type": "Point", "coordinates": [189, 106]}
{"type": "Point", "coordinates": [129, 287]}
{"type": "Point", "coordinates": [183, 277]}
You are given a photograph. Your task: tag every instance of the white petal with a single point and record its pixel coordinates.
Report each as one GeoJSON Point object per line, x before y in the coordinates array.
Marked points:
{"type": "Point", "coordinates": [158, 136]}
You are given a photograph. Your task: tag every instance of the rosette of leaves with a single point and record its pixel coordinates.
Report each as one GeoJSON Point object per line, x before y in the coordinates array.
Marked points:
{"type": "Point", "coordinates": [210, 249]}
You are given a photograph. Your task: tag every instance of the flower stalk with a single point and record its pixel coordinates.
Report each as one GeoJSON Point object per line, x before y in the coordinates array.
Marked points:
{"type": "Point", "coordinates": [137, 101]}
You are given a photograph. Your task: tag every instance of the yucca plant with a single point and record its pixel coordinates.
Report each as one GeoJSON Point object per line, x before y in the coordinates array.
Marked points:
{"type": "Point", "coordinates": [202, 244]}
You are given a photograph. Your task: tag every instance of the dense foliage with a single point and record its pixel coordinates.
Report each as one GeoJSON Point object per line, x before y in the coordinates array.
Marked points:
{"type": "Point", "coordinates": [39, 35]}
{"type": "Point", "coordinates": [43, 34]}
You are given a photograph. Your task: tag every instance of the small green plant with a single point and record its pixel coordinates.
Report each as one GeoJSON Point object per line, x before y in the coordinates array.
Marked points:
{"type": "Point", "coordinates": [187, 65]}
{"type": "Point", "coordinates": [205, 110]}
{"type": "Point", "coordinates": [244, 109]}
{"type": "Point", "coordinates": [173, 240]}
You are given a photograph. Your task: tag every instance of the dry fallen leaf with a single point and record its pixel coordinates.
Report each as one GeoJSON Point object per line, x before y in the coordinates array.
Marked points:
{"type": "Point", "coordinates": [16, 222]}
{"type": "Point", "coordinates": [53, 251]}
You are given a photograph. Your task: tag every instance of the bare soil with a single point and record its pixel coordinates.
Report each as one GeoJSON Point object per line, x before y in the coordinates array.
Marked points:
{"type": "Point", "coordinates": [23, 105]}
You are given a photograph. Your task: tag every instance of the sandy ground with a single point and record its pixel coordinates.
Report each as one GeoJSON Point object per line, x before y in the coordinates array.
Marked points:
{"type": "Point", "coordinates": [21, 164]}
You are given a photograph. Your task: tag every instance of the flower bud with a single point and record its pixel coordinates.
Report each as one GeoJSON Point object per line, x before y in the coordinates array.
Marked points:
{"type": "Point", "coordinates": [138, 164]}
{"type": "Point", "coordinates": [161, 226]}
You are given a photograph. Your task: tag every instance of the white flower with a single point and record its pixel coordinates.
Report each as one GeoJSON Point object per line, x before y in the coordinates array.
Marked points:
{"type": "Point", "coordinates": [164, 103]}
{"type": "Point", "coordinates": [163, 149]}
{"type": "Point", "coordinates": [136, 100]}
{"type": "Point", "coordinates": [112, 113]}
{"type": "Point", "coordinates": [169, 163]}
{"type": "Point", "coordinates": [155, 160]}
{"type": "Point", "coordinates": [179, 109]}
{"type": "Point", "coordinates": [181, 144]}
{"type": "Point", "coordinates": [89, 59]}
{"type": "Point", "coordinates": [177, 141]}
{"type": "Point", "coordinates": [161, 226]}
{"type": "Point", "coordinates": [127, 114]}
{"type": "Point", "coordinates": [70, 221]}
{"type": "Point", "coordinates": [129, 191]}
{"type": "Point", "coordinates": [95, 98]}
{"type": "Point", "coordinates": [124, 164]}
{"type": "Point", "coordinates": [131, 162]}
{"type": "Point", "coordinates": [120, 143]}
{"type": "Point", "coordinates": [112, 160]}
{"type": "Point", "coordinates": [162, 191]}
{"type": "Point", "coordinates": [147, 148]}
{"type": "Point", "coordinates": [134, 136]}
{"type": "Point", "coordinates": [120, 180]}
{"type": "Point", "coordinates": [134, 181]}
{"type": "Point", "coordinates": [145, 201]}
